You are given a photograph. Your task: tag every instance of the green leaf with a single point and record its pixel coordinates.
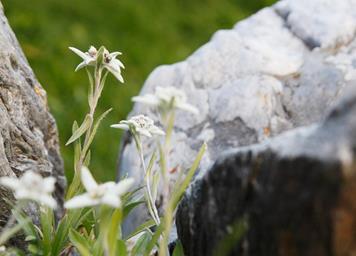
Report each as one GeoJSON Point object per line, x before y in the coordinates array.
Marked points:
{"type": "Point", "coordinates": [130, 206]}
{"type": "Point", "coordinates": [178, 249]}
{"type": "Point", "coordinates": [72, 219]}
{"type": "Point", "coordinates": [146, 225]}
{"type": "Point", "coordinates": [162, 161]}
{"type": "Point", "coordinates": [141, 244]}
{"type": "Point", "coordinates": [81, 130]}
{"type": "Point", "coordinates": [182, 186]}
{"type": "Point", "coordinates": [102, 83]}
{"type": "Point", "coordinates": [100, 57]}
{"type": "Point", "coordinates": [80, 242]}
{"type": "Point", "coordinates": [95, 128]}
{"type": "Point", "coordinates": [10, 232]}
{"type": "Point", "coordinates": [114, 231]}
{"type": "Point", "coordinates": [87, 159]}
{"type": "Point", "coordinates": [47, 223]}
{"type": "Point", "coordinates": [121, 248]}
{"type": "Point", "coordinates": [28, 227]}
{"type": "Point", "coordinates": [91, 88]}
{"type": "Point", "coordinates": [153, 240]}
{"type": "Point", "coordinates": [155, 182]}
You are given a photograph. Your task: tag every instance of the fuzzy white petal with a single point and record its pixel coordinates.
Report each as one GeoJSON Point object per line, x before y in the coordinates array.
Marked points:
{"type": "Point", "coordinates": [156, 130]}
{"type": "Point", "coordinates": [123, 186]}
{"type": "Point", "coordinates": [87, 179]}
{"type": "Point", "coordinates": [115, 72]}
{"type": "Point", "coordinates": [81, 65]}
{"type": "Point", "coordinates": [144, 132]}
{"type": "Point", "coordinates": [120, 126]}
{"type": "Point", "coordinates": [148, 99]}
{"type": "Point", "coordinates": [79, 53]}
{"type": "Point", "coordinates": [49, 184]}
{"type": "Point", "coordinates": [188, 107]}
{"type": "Point", "coordinates": [114, 54]}
{"type": "Point", "coordinates": [81, 201]}
{"type": "Point", "coordinates": [117, 64]}
{"type": "Point", "coordinates": [48, 200]}
{"type": "Point", "coordinates": [111, 199]}
{"type": "Point", "coordinates": [11, 183]}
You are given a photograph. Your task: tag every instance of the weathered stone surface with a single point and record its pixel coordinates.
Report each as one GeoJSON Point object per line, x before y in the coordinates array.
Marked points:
{"type": "Point", "coordinates": [282, 68]}
{"type": "Point", "coordinates": [295, 191]}
{"type": "Point", "coordinates": [28, 133]}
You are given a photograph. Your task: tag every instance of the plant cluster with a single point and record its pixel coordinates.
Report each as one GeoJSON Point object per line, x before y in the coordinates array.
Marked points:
{"type": "Point", "coordinates": [91, 221]}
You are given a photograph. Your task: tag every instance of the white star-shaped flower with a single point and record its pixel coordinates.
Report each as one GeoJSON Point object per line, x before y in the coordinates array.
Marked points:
{"type": "Point", "coordinates": [140, 124]}
{"type": "Point", "coordinates": [113, 65]}
{"type": "Point", "coordinates": [164, 97]}
{"type": "Point", "coordinates": [110, 62]}
{"type": "Point", "coordinates": [32, 186]}
{"type": "Point", "coordinates": [89, 57]}
{"type": "Point", "coordinates": [108, 193]}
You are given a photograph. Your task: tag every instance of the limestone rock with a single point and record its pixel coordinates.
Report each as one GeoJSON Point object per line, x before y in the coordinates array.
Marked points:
{"type": "Point", "coordinates": [284, 67]}
{"type": "Point", "coordinates": [28, 132]}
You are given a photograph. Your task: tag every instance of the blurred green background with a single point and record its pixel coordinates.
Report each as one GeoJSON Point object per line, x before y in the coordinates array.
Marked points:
{"type": "Point", "coordinates": [148, 32]}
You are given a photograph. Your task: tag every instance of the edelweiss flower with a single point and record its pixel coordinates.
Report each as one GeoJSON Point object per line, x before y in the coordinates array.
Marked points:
{"type": "Point", "coordinates": [140, 124]}
{"type": "Point", "coordinates": [113, 65]}
{"type": "Point", "coordinates": [108, 193]}
{"type": "Point", "coordinates": [32, 186]}
{"type": "Point", "coordinates": [164, 97]}
{"type": "Point", "coordinates": [89, 57]}
{"type": "Point", "coordinates": [110, 62]}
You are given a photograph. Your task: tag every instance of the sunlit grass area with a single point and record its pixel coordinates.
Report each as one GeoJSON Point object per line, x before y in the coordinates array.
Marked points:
{"type": "Point", "coordinates": [148, 32]}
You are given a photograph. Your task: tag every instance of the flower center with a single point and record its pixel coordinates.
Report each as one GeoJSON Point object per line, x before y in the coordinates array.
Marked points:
{"type": "Point", "coordinates": [97, 193]}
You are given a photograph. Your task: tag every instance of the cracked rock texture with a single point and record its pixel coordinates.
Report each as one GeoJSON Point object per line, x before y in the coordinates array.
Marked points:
{"type": "Point", "coordinates": [284, 67]}
{"type": "Point", "coordinates": [28, 132]}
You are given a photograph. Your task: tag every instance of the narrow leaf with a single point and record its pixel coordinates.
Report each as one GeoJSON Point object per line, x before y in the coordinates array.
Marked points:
{"type": "Point", "coordinates": [80, 242]}
{"type": "Point", "coordinates": [95, 128]}
{"type": "Point", "coordinates": [81, 130]}
{"type": "Point", "coordinates": [181, 187]}
{"type": "Point", "coordinates": [87, 159]}
{"type": "Point", "coordinates": [114, 231]}
{"type": "Point", "coordinates": [178, 249]}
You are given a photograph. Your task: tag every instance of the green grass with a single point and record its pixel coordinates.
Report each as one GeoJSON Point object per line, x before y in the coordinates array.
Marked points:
{"type": "Point", "coordinates": [148, 32]}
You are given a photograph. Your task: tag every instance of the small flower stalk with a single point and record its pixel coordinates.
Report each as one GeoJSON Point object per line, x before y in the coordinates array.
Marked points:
{"type": "Point", "coordinates": [143, 125]}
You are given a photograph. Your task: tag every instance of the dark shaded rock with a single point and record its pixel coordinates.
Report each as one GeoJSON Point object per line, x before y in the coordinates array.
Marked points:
{"type": "Point", "coordinates": [295, 192]}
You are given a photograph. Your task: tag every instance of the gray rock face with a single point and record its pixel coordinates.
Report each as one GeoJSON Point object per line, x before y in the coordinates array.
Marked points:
{"type": "Point", "coordinates": [295, 192]}
{"type": "Point", "coordinates": [28, 133]}
{"type": "Point", "coordinates": [282, 68]}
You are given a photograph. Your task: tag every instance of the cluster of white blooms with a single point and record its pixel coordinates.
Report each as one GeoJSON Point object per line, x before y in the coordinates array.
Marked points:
{"type": "Point", "coordinates": [32, 186]}
{"type": "Point", "coordinates": [141, 125]}
{"type": "Point", "coordinates": [110, 62]}
{"type": "Point", "coordinates": [108, 193]}
{"type": "Point", "coordinates": [167, 97]}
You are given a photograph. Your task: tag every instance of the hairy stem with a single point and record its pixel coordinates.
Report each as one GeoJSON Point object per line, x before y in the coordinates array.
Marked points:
{"type": "Point", "coordinates": [151, 204]}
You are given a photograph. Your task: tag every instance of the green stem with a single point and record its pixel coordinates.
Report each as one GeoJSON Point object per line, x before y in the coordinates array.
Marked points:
{"type": "Point", "coordinates": [96, 96]}
{"type": "Point", "coordinates": [74, 188]}
{"type": "Point", "coordinates": [150, 202]}
{"type": "Point", "coordinates": [169, 124]}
